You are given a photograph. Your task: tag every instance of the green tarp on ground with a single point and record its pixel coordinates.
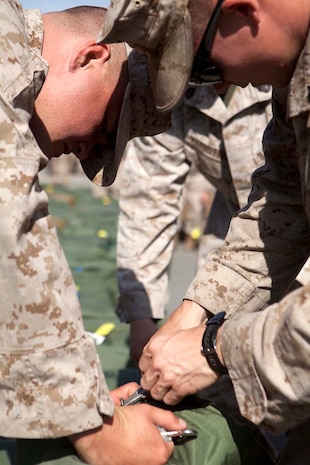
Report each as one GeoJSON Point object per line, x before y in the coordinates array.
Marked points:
{"type": "Point", "coordinates": [87, 229]}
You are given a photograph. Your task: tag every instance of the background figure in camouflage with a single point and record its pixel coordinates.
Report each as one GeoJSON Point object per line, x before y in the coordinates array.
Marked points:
{"type": "Point", "coordinates": [214, 134]}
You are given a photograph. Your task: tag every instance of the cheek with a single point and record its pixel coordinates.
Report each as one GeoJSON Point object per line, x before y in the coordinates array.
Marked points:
{"type": "Point", "coordinates": [223, 51]}
{"type": "Point", "coordinates": [81, 116]}
{"type": "Point", "coordinates": [231, 60]}
{"type": "Point", "coordinates": [88, 118]}
{"type": "Point", "coordinates": [79, 124]}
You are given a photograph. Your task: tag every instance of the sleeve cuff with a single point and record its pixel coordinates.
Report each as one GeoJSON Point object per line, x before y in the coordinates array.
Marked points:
{"type": "Point", "coordinates": [138, 305]}
{"type": "Point", "coordinates": [237, 350]}
{"type": "Point", "coordinates": [218, 288]}
{"type": "Point", "coordinates": [54, 393]}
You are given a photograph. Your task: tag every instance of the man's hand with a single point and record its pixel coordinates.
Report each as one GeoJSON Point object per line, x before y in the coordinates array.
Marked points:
{"type": "Point", "coordinates": [123, 392]}
{"type": "Point", "coordinates": [187, 315]}
{"type": "Point", "coordinates": [131, 437]}
{"type": "Point", "coordinates": [141, 332]}
{"type": "Point", "coordinates": [172, 365]}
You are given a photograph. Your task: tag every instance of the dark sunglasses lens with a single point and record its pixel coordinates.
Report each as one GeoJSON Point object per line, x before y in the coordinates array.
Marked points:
{"type": "Point", "coordinates": [204, 72]}
{"type": "Point", "coordinates": [209, 75]}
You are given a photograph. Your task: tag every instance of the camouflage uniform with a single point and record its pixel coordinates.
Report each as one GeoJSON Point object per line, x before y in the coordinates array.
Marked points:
{"type": "Point", "coordinates": [213, 136]}
{"type": "Point", "coordinates": [267, 351]}
{"type": "Point", "coordinates": [51, 379]}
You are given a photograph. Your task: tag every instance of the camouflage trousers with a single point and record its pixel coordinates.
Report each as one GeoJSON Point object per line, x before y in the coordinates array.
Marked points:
{"type": "Point", "coordinates": [220, 441]}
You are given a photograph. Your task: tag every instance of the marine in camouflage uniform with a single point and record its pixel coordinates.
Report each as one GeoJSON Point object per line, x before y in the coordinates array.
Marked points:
{"type": "Point", "coordinates": [265, 341]}
{"type": "Point", "coordinates": [267, 352]}
{"type": "Point", "coordinates": [48, 363]}
{"type": "Point", "coordinates": [212, 133]}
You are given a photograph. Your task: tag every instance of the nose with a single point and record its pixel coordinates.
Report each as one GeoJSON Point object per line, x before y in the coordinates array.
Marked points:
{"type": "Point", "coordinates": [81, 151]}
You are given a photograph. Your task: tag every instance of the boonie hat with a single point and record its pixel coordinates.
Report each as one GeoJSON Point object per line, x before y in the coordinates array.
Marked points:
{"type": "Point", "coordinates": [138, 117]}
{"type": "Point", "coordinates": [162, 30]}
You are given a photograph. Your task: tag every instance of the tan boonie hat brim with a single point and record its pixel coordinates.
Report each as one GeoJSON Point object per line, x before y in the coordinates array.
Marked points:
{"type": "Point", "coordinates": [138, 117]}
{"type": "Point", "coordinates": [162, 30]}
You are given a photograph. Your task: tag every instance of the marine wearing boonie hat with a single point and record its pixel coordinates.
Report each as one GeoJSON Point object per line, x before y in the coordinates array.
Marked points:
{"type": "Point", "coordinates": [156, 80]}
{"type": "Point", "coordinates": [162, 30]}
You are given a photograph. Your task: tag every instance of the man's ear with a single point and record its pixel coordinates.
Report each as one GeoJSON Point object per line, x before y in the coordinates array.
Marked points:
{"type": "Point", "coordinates": [85, 55]}
{"type": "Point", "coordinates": [248, 9]}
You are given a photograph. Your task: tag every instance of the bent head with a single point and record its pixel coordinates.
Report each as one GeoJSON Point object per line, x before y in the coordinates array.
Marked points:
{"type": "Point", "coordinates": [256, 41]}
{"type": "Point", "coordinates": [86, 89]}
{"type": "Point", "coordinates": [259, 41]}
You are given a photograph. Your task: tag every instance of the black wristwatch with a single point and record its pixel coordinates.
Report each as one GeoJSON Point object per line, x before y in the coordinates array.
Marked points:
{"type": "Point", "coordinates": [208, 345]}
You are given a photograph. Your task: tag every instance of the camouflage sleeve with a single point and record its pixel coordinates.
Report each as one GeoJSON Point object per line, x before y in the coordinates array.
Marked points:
{"type": "Point", "coordinates": [51, 380]}
{"type": "Point", "coordinates": [266, 351]}
{"type": "Point", "coordinates": [152, 182]}
{"type": "Point", "coordinates": [267, 355]}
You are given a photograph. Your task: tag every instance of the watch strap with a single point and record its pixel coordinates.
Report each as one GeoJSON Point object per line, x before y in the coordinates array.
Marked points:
{"type": "Point", "coordinates": [208, 345]}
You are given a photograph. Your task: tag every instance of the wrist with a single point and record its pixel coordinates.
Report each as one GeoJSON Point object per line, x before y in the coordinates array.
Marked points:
{"type": "Point", "coordinates": [193, 312]}
{"type": "Point", "coordinates": [142, 322]}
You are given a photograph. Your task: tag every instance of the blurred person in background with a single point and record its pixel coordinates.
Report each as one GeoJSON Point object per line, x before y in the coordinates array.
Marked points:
{"type": "Point", "coordinates": [212, 134]}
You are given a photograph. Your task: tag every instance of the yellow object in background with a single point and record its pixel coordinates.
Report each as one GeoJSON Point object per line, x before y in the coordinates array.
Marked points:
{"type": "Point", "coordinates": [101, 333]}
{"type": "Point", "coordinates": [196, 233]}
{"type": "Point", "coordinates": [105, 329]}
{"type": "Point", "coordinates": [106, 200]}
{"type": "Point", "coordinates": [102, 233]}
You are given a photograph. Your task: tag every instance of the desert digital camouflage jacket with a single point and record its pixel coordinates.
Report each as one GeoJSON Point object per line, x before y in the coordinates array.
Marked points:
{"type": "Point", "coordinates": [266, 343]}
{"type": "Point", "coordinates": [225, 144]}
{"type": "Point", "coordinates": [51, 383]}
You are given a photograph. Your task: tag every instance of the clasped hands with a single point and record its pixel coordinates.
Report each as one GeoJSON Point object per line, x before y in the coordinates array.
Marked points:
{"type": "Point", "coordinates": [172, 365]}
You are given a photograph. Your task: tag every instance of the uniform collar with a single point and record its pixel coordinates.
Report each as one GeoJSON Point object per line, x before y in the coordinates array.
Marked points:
{"type": "Point", "coordinates": [299, 87]}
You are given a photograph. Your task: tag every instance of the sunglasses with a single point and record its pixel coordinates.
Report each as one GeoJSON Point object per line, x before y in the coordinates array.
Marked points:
{"type": "Point", "coordinates": [203, 70]}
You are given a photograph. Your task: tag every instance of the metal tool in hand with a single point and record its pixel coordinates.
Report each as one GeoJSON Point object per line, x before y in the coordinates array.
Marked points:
{"type": "Point", "coordinates": [138, 396]}
{"type": "Point", "coordinates": [177, 436]}
{"type": "Point", "coordinates": [141, 395]}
